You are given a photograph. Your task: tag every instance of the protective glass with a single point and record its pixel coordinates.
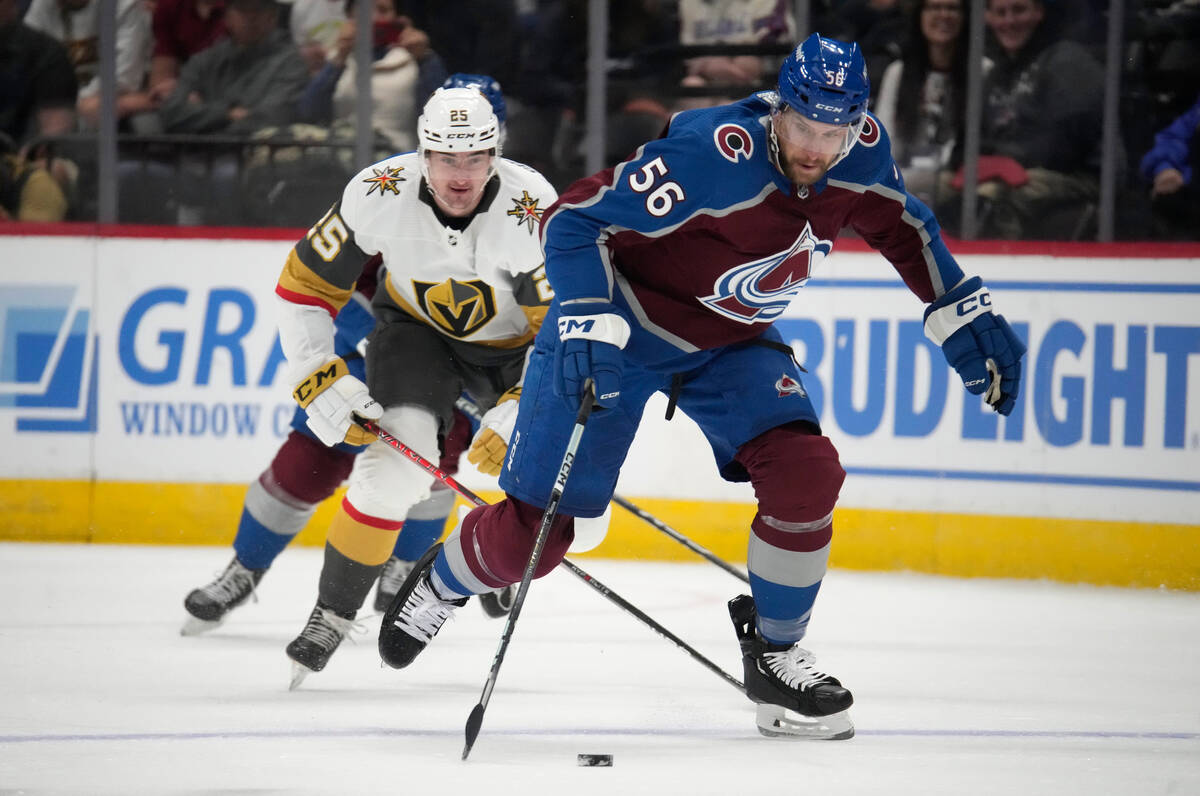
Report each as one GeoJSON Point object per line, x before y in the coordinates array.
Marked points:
{"type": "Point", "coordinates": [800, 133]}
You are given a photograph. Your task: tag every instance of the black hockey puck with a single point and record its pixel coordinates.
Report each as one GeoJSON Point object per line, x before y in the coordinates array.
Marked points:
{"type": "Point", "coordinates": [594, 760]}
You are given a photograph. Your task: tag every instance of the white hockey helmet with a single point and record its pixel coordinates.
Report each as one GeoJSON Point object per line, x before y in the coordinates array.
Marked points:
{"type": "Point", "coordinates": [458, 120]}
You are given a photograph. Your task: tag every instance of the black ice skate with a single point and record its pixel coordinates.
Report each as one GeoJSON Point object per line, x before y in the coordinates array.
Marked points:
{"type": "Point", "coordinates": [317, 642]}
{"type": "Point", "coordinates": [208, 605]}
{"type": "Point", "coordinates": [415, 616]}
{"type": "Point", "coordinates": [795, 700]}
{"type": "Point", "coordinates": [498, 603]}
{"type": "Point", "coordinates": [394, 573]}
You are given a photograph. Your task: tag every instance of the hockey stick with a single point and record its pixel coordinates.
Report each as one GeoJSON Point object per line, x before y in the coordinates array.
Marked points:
{"type": "Point", "coordinates": [595, 584]}
{"type": "Point", "coordinates": [599, 587]}
{"type": "Point", "coordinates": [683, 540]}
{"type": "Point", "coordinates": [469, 408]}
{"type": "Point", "coordinates": [475, 720]}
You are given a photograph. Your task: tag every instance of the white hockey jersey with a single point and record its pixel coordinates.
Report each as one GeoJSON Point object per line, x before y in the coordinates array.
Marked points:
{"type": "Point", "coordinates": [481, 281]}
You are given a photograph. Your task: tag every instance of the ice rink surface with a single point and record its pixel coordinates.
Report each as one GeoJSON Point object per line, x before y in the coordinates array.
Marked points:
{"type": "Point", "coordinates": [961, 687]}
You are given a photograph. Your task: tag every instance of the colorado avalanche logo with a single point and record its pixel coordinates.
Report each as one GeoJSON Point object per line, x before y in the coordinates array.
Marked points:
{"type": "Point", "coordinates": [870, 132]}
{"type": "Point", "coordinates": [760, 291]}
{"type": "Point", "coordinates": [789, 386]}
{"type": "Point", "coordinates": [733, 142]}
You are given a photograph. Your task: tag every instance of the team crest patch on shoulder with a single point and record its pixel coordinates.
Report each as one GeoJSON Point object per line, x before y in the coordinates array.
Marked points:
{"type": "Point", "coordinates": [870, 132]}
{"type": "Point", "coordinates": [385, 180]}
{"type": "Point", "coordinates": [526, 211]}
{"type": "Point", "coordinates": [789, 386]}
{"type": "Point", "coordinates": [733, 142]}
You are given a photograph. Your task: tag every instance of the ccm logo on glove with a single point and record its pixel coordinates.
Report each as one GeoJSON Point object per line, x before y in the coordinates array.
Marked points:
{"type": "Point", "coordinates": [978, 301]}
{"type": "Point", "coordinates": [318, 380]}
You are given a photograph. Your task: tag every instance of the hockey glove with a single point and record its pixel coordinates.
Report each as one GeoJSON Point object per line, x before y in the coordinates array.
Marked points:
{"type": "Point", "coordinates": [977, 343]}
{"type": "Point", "coordinates": [590, 343]}
{"type": "Point", "coordinates": [495, 430]}
{"type": "Point", "coordinates": [330, 396]}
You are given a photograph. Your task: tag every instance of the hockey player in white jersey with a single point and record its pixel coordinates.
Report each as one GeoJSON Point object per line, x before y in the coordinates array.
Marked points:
{"type": "Point", "coordinates": [456, 227]}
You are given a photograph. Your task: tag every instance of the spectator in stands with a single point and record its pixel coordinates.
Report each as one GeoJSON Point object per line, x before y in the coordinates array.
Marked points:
{"type": "Point", "coordinates": [1041, 131]}
{"type": "Point", "coordinates": [922, 96]}
{"type": "Point", "coordinates": [252, 78]}
{"type": "Point", "coordinates": [37, 82]}
{"type": "Point", "coordinates": [248, 80]}
{"type": "Point", "coordinates": [315, 26]}
{"type": "Point", "coordinates": [1170, 167]}
{"type": "Point", "coordinates": [75, 24]}
{"type": "Point", "coordinates": [405, 71]}
{"type": "Point", "coordinates": [704, 22]}
{"type": "Point", "coordinates": [181, 28]}
{"type": "Point", "coordinates": [27, 190]}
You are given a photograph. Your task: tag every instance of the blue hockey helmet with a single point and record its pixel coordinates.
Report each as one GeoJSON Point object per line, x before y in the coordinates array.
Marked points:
{"type": "Point", "coordinates": [826, 80]}
{"type": "Point", "coordinates": [486, 85]}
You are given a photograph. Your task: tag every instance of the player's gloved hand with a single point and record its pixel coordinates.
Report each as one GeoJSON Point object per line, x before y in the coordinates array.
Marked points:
{"type": "Point", "coordinates": [979, 344]}
{"type": "Point", "coordinates": [490, 445]}
{"type": "Point", "coordinates": [330, 395]}
{"type": "Point", "coordinates": [591, 336]}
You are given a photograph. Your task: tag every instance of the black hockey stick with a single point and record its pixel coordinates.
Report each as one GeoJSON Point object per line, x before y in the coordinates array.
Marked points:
{"type": "Point", "coordinates": [475, 720]}
{"type": "Point", "coordinates": [683, 540]}
{"type": "Point", "coordinates": [595, 584]}
{"type": "Point", "coordinates": [469, 408]}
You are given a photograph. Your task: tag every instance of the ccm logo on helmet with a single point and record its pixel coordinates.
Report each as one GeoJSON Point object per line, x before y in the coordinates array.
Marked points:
{"type": "Point", "coordinates": [733, 142]}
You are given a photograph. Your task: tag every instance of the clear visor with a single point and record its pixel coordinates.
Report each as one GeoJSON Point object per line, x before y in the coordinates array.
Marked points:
{"type": "Point", "coordinates": [800, 133]}
{"type": "Point", "coordinates": [459, 165]}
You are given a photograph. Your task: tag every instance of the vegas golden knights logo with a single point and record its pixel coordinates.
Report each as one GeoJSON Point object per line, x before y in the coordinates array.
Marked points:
{"type": "Point", "coordinates": [460, 308]}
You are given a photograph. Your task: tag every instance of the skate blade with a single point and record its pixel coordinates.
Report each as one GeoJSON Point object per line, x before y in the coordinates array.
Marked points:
{"type": "Point", "coordinates": [775, 721]}
{"type": "Point", "coordinates": [195, 627]}
{"type": "Point", "coordinates": [299, 672]}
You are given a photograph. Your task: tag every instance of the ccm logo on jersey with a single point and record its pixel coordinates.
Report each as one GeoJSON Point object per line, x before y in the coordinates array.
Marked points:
{"type": "Point", "coordinates": [789, 386]}
{"type": "Point", "coordinates": [733, 142]}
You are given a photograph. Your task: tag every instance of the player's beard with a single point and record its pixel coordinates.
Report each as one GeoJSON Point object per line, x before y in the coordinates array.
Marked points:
{"type": "Point", "coordinates": [806, 168]}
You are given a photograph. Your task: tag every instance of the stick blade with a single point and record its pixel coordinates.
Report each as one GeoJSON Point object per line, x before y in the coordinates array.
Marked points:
{"type": "Point", "coordinates": [474, 723]}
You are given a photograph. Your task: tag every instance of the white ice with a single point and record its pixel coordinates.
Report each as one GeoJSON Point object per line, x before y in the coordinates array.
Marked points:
{"type": "Point", "coordinates": [961, 687]}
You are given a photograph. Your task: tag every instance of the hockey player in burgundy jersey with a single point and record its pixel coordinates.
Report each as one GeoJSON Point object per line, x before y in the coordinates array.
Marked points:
{"type": "Point", "coordinates": [668, 271]}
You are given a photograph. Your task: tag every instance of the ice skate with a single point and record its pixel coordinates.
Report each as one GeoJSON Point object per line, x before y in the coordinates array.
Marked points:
{"type": "Point", "coordinates": [208, 605]}
{"type": "Point", "coordinates": [498, 603]}
{"type": "Point", "coordinates": [795, 700]}
{"type": "Point", "coordinates": [394, 573]}
{"type": "Point", "coordinates": [317, 642]}
{"type": "Point", "coordinates": [415, 616]}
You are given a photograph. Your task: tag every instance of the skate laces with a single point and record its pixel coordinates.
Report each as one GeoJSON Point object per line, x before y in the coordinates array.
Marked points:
{"type": "Point", "coordinates": [327, 629]}
{"type": "Point", "coordinates": [795, 666]}
{"type": "Point", "coordinates": [424, 612]}
{"type": "Point", "coordinates": [233, 584]}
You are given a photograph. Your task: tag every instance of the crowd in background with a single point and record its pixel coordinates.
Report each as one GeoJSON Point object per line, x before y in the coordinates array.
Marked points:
{"type": "Point", "coordinates": [243, 111]}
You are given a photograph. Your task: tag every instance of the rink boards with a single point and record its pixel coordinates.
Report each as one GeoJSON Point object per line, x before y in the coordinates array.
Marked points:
{"type": "Point", "coordinates": [142, 386]}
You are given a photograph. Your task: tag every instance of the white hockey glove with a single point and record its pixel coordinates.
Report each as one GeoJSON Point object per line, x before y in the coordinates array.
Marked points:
{"type": "Point", "coordinates": [330, 396]}
{"type": "Point", "coordinates": [490, 445]}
